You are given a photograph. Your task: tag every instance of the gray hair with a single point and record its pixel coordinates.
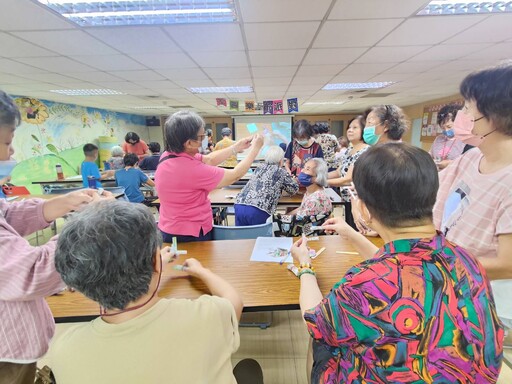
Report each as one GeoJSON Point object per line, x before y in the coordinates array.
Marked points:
{"type": "Point", "coordinates": [180, 127]}
{"type": "Point", "coordinates": [107, 252]}
{"type": "Point", "coordinates": [321, 171]}
{"type": "Point", "coordinates": [117, 151]}
{"type": "Point", "coordinates": [274, 154]}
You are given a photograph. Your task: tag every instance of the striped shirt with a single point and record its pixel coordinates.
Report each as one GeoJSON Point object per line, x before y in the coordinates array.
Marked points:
{"type": "Point", "coordinates": [444, 148]}
{"type": "Point", "coordinates": [27, 275]}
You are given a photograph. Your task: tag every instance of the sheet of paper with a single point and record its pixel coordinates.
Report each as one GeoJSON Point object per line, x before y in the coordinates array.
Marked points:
{"type": "Point", "coordinates": [265, 249]}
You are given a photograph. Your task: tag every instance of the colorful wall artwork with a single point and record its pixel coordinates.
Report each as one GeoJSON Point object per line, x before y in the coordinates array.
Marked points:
{"type": "Point", "coordinates": [54, 133]}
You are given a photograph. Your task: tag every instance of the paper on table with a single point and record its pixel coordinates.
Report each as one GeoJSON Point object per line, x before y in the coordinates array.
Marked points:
{"type": "Point", "coordinates": [265, 247]}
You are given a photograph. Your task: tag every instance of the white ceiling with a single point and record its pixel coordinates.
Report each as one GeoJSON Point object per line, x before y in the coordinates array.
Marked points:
{"type": "Point", "coordinates": [283, 48]}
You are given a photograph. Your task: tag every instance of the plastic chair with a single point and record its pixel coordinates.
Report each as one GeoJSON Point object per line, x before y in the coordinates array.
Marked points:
{"type": "Point", "coordinates": [221, 232]}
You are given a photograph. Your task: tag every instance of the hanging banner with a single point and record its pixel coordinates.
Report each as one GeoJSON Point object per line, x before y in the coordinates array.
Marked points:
{"type": "Point", "coordinates": [268, 107]}
{"type": "Point", "coordinates": [221, 102]}
{"type": "Point", "coordinates": [278, 107]}
{"type": "Point", "coordinates": [293, 105]}
{"type": "Point", "coordinates": [250, 106]}
{"type": "Point", "coordinates": [233, 105]}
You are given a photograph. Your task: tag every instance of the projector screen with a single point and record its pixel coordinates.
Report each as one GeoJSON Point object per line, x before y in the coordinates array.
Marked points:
{"type": "Point", "coordinates": [276, 129]}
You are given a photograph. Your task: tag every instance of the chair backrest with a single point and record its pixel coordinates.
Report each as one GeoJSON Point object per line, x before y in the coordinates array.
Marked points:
{"type": "Point", "coordinates": [221, 232]}
{"type": "Point", "coordinates": [61, 191]}
{"type": "Point", "coordinates": [114, 190]}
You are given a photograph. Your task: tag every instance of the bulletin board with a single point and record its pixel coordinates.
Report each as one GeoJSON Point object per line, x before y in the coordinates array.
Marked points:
{"type": "Point", "coordinates": [429, 127]}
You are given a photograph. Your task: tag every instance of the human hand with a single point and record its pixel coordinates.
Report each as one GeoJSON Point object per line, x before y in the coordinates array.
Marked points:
{"type": "Point", "coordinates": [337, 225]}
{"type": "Point", "coordinates": [300, 251]}
{"type": "Point", "coordinates": [5, 180]}
{"type": "Point", "coordinates": [243, 144]}
{"type": "Point", "coordinates": [443, 164]}
{"type": "Point", "coordinates": [257, 141]}
{"type": "Point", "coordinates": [193, 267]}
{"type": "Point", "coordinates": [167, 254]}
{"type": "Point", "coordinates": [79, 199]}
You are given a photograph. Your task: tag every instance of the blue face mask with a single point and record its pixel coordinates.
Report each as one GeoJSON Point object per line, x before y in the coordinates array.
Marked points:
{"type": "Point", "coordinates": [449, 133]}
{"type": "Point", "coordinates": [6, 167]}
{"type": "Point", "coordinates": [369, 135]}
{"type": "Point", "coordinates": [305, 180]}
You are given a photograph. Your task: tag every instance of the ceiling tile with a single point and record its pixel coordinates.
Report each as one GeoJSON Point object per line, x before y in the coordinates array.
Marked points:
{"type": "Point", "coordinates": [333, 56]}
{"type": "Point", "coordinates": [500, 51]}
{"type": "Point", "coordinates": [448, 52]}
{"type": "Point", "coordinates": [280, 35]}
{"type": "Point", "coordinates": [272, 81]}
{"type": "Point", "coordinates": [260, 72]}
{"type": "Point", "coordinates": [156, 84]}
{"type": "Point", "coordinates": [367, 69]}
{"type": "Point", "coordinates": [183, 73]}
{"type": "Point", "coordinates": [493, 29]}
{"type": "Point", "coordinates": [25, 15]}
{"type": "Point", "coordinates": [429, 30]}
{"type": "Point", "coordinates": [415, 67]}
{"type": "Point", "coordinates": [67, 42]}
{"type": "Point", "coordinates": [52, 78]}
{"type": "Point", "coordinates": [233, 82]}
{"type": "Point", "coordinates": [283, 10]}
{"type": "Point", "coordinates": [228, 73]}
{"type": "Point", "coordinates": [137, 75]}
{"type": "Point", "coordinates": [207, 37]}
{"type": "Point", "coordinates": [375, 9]}
{"type": "Point", "coordinates": [109, 62]}
{"type": "Point", "coordinates": [354, 33]}
{"type": "Point", "coordinates": [319, 70]}
{"type": "Point", "coordinates": [391, 54]}
{"type": "Point", "coordinates": [164, 60]}
{"type": "Point", "coordinates": [313, 81]}
{"type": "Point", "coordinates": [56, 64]}
{"type": "Point", "coordinates": [93, 76]}
{"type": "Point", "coordinates": [15, 47]}
{"type": "Point", "coordinates": [141, 39]}
{"type": "Point", "coordinates": [276, 57]}
{"type": "Point", "coordinates": [219, 58]}
{"type": "Point", "coordinates": [11, 66]}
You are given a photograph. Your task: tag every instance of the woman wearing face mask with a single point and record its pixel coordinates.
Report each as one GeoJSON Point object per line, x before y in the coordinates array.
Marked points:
{"type": "Point", "coordinates": [184, 177]}
{"type": "Point", "coordinates": [384, 124]}
{"type": "Point", "coordinates": [474, 203]}
{"type": "Point", "coordinates": [446, 147]}
{"type": "Point", "coordinates": [315, 200]}
{"type": "Point", "coordinates": [302, 148]}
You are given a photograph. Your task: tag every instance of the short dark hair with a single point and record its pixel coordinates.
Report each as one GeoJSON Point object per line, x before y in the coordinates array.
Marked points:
{"type": "Point", "coordinates": [154, 147]}
{"type": "Point", "coordinates": [180, 127]}
{"type": "Point", "coordinates": [9, 112]}
{"type": "Point", "coordinates": [398, 183]}
{"type": "Point", "coordinates": [302, 128]}
{"type": "Point", "coordinates": [362, 122]}
{"type": "Point", "coordinates": [446, 111]}
{"type": "Point", "coordinates": [132, 136]}
{"type": "Point", "coordinates": [89, 149]}
{"type": "Point", "coordinates": [107, 252]}
{"type": "Point", "coordinates": [491, 89]}
{"type": "Point", "coordinates": [319, 128]}
{"type": "Point", "coordinates": [393, 117]}
{"type": "Point", "coordinates": [130, 159]}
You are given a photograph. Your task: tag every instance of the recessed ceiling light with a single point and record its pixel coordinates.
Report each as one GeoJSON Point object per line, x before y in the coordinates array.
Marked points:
{"type": "Point", "coordinates": [89, 13]}
{"type": "Point", "coordinates": [465, 7]}
{"type": "Point", "coordinates": [243, 89]}
{"type": "Point", "coordinates": [87, 92]}
{"type": "Point", "coordinates": [338, 86]}
{"type": "Point", "coordinates": [323, 103]}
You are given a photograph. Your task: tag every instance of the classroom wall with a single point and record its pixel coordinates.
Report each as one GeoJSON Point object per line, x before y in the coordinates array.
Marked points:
{"type": "Point", "coordinates": [52, 133]}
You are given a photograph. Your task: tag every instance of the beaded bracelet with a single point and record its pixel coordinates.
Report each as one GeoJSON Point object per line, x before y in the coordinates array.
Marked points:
{"type": "Point", "coordinates": [306, 265]}
{"type": "Point", "coordinates": [304, 271]}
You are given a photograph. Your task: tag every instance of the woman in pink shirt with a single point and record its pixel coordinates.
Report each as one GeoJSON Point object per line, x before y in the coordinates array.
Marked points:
{"type": "Point", "coordinates": [134, 144]}
{"type": "Point", "coordinates": [27, 273]}
{"type": "Point", "coordinates": [184, 177]}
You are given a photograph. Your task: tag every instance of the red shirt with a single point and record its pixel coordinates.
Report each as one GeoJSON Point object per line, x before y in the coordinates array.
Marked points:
{"type": "Point", "coordinates": [140, 148]}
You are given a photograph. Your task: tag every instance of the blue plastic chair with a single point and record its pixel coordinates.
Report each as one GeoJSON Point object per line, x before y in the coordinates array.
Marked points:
{"type": "Point", "coordinates": [221, 232]}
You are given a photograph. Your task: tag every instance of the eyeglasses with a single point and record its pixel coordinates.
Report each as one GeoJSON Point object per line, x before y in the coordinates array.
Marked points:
{"type": "Point", "coordinates": [201, 137]}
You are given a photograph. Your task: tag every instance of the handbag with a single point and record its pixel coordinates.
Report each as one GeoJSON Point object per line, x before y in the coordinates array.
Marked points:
{"type": "Point", "coordinates": [13, 190]}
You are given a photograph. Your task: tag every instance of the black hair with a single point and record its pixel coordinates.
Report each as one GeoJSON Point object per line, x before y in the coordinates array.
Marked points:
{"type": "Point", "coordinates": [491, 89]}
{"type": "Point", "coordinates": [362, 122]}
{"type": "Point", "coordinates": [302, 128]}
{"type": "Point", "coordinates": [154, 147]}
{"type": "Point", "coordinates": [9, 112]}
{"type": "Point", "coordinates": [180, 127]}
{"type": "Point", "coordinates": [393, 117]}
{"type": "Point", "coordinates": [130, 159]}
{"type": "Point", "coordinates": [398, 183]}
{"type": "Point", "coordinates": [132, 136]}
{"type": "Point", "coordinates": [445, 112]}
{"type": "Point", "coordinates": [319, 128]}
{"type": "Point", "coordinates": [89, 149]}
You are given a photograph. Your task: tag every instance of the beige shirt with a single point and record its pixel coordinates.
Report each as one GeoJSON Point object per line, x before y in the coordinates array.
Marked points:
{"type": "Point", "coordinates": [175, 341]}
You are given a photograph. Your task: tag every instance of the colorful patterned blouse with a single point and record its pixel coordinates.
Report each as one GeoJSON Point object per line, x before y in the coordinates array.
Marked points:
{"type": "Point", "coordinates": [298, 155]}
{"type": "Point", "coordinates": [420, 311]}
{"type": "Point", "coordinates": [330, 145]}
{"type": "Point", "coordinates": [316, 203]}
{"type": "Point", "coordinates": [348, 161]}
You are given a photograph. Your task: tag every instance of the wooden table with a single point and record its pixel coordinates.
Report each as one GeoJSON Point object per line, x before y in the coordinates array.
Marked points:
{"type": "Point", "coordinates": [263, 286]}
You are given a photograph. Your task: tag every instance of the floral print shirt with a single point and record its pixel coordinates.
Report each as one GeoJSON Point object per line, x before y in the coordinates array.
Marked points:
{"type": "Point", "coordinates": [316, 203]}
{"type": "Point", "coordinates": [329, 145]}
{"type": "Point", "coordinates": [346, 162]}
{"type": "Point", "coordinates": [265, 187]}
{"type": "Point", "coordinates": [420, 311]}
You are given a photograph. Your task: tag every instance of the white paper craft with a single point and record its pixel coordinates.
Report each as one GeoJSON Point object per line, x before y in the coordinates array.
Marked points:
{"type": "Point", "coordinates": [265, 249]}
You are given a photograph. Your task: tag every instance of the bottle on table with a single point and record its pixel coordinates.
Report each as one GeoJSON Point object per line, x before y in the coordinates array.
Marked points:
{"type": "Point", "coordinates": [60, 173]}
{"type": "Point", "coordinates": [91, 181]}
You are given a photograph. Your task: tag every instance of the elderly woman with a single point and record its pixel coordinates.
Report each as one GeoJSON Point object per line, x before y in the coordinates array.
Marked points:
{"type": "Point", "coordinates": [27, 273]}
{"type": "Point", "coordinates": [116, 159]}
{"type": "Point", "coordinates": [184, 177]}
{"type": "Point", "coordinates": [446, 147]}
{"type": "Point", "coordinates": [138, 333]}
{"type": "Point", "coordinates": [474, 203]}
{"type": "Point", "coordinates": [134, 144]}
{"type": "Point", "coordinates": [314, 178]}
{"type": "Point", "coordinates": [259, 197]}
{"type": "Point", "coordinates": [342, 177]}
{"type": "Point", "coordinates": [384, 123]}
{"type": "Point", "coordinates": [302, 148]}
{"type": "Point", "coordinates": [329, 144]}
{"type": "Point", "coordinates": [419, 309]}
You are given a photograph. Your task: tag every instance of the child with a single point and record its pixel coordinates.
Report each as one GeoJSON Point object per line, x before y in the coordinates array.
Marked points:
{"type": "Point", "coordinates": [90, 168]}
{"type": "Point", "coordinates": [131, 178]}
{"type": "Point", "coordinates": [150, 163]}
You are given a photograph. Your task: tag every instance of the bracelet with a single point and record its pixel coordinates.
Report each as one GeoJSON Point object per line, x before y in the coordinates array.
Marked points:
{"type": "Point", "coordinates": [306, 265]}
{"type": "Point", "coordinates": [306, 271]}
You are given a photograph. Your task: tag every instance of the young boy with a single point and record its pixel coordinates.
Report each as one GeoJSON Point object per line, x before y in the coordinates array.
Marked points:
{"type": "Point", "coordinates": [131, 178]}
{"type": "Point", "coordinates": [90, 168]}
{"type": "Point", "coordinates": [149, 163]}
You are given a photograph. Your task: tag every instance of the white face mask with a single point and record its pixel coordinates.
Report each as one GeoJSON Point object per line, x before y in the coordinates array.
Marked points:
{"type": "Point", "coordinates": [6, 168]}
{"type": "Point", "coordinates": [204, 143]}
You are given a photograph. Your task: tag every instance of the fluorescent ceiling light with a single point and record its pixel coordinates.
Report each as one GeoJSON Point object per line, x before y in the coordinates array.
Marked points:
{"type": "Point", "coordinates": [465, 7]}
{"type": "Point", "coordinates": [87, 92]}
{"type": "Point", "coordinates": [152, 107]}
{"type": "Point", "coordinates": [324, 103]}
{"type": "Point", "coordinates": [338, 86]}
{"type": "Point", "coordinates": [143, 12]}
{"type": "Point", "coordinates": [243, 89]}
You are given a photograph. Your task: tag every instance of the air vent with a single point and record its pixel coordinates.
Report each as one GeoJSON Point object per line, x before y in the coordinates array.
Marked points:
{"type": "Point", "coordinates": [372, 95]}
